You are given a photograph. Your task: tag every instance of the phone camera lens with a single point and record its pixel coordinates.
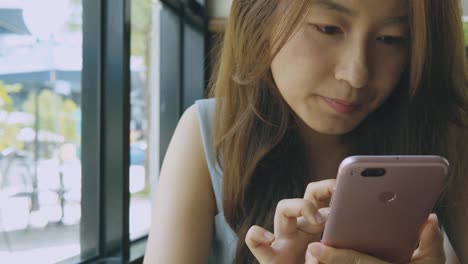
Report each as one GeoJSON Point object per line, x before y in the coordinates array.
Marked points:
{"type": "Point", "coordinates": [373, 172]}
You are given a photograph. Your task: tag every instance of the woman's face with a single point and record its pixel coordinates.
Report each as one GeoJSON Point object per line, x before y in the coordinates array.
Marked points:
{"type": "Point", "coordinates": [343, 62]}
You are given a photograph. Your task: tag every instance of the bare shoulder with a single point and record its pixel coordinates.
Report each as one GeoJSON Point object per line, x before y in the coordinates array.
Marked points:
{"type": "Point", "coordinates": [184, 208]}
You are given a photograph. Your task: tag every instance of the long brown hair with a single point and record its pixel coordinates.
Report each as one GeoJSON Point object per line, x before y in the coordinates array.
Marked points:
{"type": "Point", "coordinates": [262, 157]}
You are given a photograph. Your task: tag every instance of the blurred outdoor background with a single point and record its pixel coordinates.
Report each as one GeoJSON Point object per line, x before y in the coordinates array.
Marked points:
{"type": "Point", "coordinates": [40, 127]}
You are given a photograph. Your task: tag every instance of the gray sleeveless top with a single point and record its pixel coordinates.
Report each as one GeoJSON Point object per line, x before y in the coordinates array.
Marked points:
{"type": "Point", "coordinates": [224, 242]}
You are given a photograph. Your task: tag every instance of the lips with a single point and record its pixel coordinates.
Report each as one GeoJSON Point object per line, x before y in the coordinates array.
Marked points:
{"type": "Point", "coordinates": [341, 106]}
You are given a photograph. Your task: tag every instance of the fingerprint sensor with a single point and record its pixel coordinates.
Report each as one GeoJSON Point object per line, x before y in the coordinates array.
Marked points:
{"type": "Point", "coordinates": [387, 197]}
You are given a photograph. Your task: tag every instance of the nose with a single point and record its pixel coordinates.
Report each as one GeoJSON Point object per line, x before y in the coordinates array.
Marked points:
{"type": "Point", "coordinates": [353, 67]}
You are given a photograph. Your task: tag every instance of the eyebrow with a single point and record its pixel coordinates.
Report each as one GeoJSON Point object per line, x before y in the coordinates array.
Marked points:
{"type": "Point", "coordinates": [330, 5]}
{"type": "Point", "coordinates": [333, 6]}
{"type": "Point", "coordinates": [397, 20]}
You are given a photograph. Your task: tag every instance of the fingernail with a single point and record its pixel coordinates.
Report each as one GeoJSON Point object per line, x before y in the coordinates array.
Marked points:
{"type": "Point", "coordinates": [269, 236]}
{"type": "Point", "coordinates": [325, 211]}
{"type": "Point", "coordinates": [315, 249]}
{"type": "Point", "coordinates": [319, 218]}
{"type": "Point", "coordinates": [436, 219]}
{"type": "Point", "coordinates": [436, 222]}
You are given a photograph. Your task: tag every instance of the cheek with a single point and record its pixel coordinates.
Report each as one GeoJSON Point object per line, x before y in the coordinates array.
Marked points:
{"type": "Point", "coordinates": [389, 74]}
{"type": "Point", "coordinates": [300, 65]}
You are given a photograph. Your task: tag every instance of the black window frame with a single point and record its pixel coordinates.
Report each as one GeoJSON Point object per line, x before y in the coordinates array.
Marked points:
{"type": "Point", "coordinates": [173, 89]}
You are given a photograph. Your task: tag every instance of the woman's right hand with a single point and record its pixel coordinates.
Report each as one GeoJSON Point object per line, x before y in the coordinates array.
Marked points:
{"type": "Point", "coordinates": [297, 223]}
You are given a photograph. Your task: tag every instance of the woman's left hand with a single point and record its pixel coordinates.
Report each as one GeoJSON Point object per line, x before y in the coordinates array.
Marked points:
{"type": "Point", "coordinates": [430, 250]}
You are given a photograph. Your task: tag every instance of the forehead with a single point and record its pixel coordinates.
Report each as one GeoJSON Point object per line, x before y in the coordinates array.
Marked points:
{"type": "Point", "coordinates": [358, 7]}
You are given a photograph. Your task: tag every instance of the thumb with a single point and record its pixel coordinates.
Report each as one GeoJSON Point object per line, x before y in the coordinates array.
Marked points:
{"type": "Point", "coordinates": [327, 255]}
{"type": "Point", "coordinates": [259, 241]}
{"type": "Point", "coordinates": [431, 243]}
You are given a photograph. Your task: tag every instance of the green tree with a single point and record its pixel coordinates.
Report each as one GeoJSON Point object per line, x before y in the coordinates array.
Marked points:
{"type": "Point", "coordinates": [55, 114]}
{"type": "Point", "coordinates": [67, 120]}
{"type": "Point", "coordinates": [141, 41]}
{"type": "Point", "coordinates": [8, 132]}
{"type": "Point", "coordinates": [465, 31]}
{"type": "Point", "coordinates": [141, 28]}
{"type": "Point", "coordinates": [74, 23]}
{"type": "Point", "coordinates": [6, 103]}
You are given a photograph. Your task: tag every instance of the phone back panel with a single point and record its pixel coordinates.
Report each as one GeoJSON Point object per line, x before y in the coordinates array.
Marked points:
{"type": "Point", "coordinates": [383, 216]}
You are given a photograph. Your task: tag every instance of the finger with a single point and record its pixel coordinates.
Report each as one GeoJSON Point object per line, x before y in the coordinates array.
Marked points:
{"type": "Point", "coordinates": [313, 229]}
{"type": "Point", "coordinates": [287, 212]}
{"type": "Point", "coordinates": [309, 259]}
{"type": "Point", "coordinates": [259, 241]}
{"type": "Point", "coordinates": [325, 254]}
{"type": "Point", "coordinates": [320, 192]}
{"type": "Point", "coordinates": [431, 240]}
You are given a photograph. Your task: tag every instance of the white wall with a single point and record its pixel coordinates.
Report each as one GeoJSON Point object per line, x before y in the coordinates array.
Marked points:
{"type": "Point", "coordinates": [220, 8]}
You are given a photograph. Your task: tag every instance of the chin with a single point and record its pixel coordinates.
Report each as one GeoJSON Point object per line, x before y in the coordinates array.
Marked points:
{"type": "Point", "coordinates": [333, 129]}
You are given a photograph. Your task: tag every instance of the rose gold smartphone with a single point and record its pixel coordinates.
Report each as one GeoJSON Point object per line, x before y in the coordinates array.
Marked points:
{"type": "Point", "coordinates": [382, 202]}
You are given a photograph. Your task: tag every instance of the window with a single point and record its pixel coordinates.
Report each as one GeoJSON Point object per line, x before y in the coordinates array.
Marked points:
{"type": "Point", "coordinates": [144, 121]}
{"type": "Point", "coordinates": [90, 95]}
{"type": "Point", "coordinates": [40, 129]}
{"type": "Point", "coordinates": [164, 84]}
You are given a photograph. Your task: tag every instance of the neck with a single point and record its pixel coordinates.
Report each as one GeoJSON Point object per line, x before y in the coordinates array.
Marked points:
{"type": "Point", "coordinates": [323, 153]}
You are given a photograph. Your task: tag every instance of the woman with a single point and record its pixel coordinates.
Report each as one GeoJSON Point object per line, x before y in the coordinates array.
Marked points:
{"type": "Point", "coordinates": [301, 85]}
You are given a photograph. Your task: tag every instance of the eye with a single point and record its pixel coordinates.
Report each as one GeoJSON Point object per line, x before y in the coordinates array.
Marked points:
{"type": "Point", "coordinates": [329, 30]}
{"type": "Point", "coordinates": [391, 40]}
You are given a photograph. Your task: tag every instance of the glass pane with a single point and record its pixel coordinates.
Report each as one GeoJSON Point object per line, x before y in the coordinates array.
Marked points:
{"type": "Point", "coordinates": [194, 70]}
{"type": "Point", "coordinates": [144, 125]}
{"type": "Point", "coordinates": [40, 123]}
